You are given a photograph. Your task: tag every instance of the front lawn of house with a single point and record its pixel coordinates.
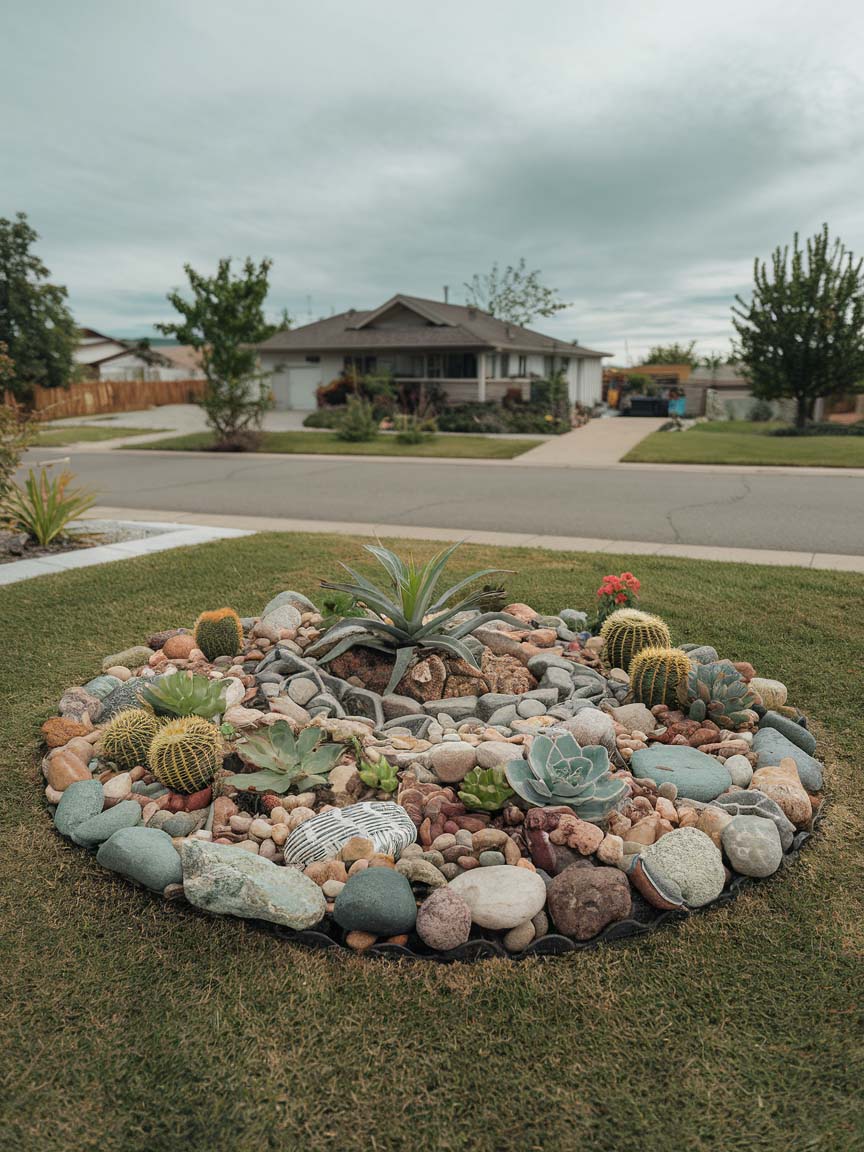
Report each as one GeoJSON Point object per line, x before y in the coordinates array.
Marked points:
{"type": "Point", "coordinates": [129, 1024]}
{"type": "Point", "coordinates": [454, 446]}
{"type": "Point", "coordinates": [743, 442]}
{"type": "Point", "coordinates": [61, 435]}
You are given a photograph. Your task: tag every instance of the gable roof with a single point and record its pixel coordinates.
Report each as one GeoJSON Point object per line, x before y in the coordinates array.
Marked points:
{"type": "Point", "coordinates": [456, 326]}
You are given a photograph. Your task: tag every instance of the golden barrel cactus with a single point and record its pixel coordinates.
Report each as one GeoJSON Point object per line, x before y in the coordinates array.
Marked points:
{"type": "Point", "coordinates": [660, 676]}
{"type": "Point", "coordinates": [219, 633]}
{"type": "Point", "coordinates": [186, 754]}
{"type": "Point", "coordinates": [629, 631]}
{"type": "Point", "coordinates": [126, 739]}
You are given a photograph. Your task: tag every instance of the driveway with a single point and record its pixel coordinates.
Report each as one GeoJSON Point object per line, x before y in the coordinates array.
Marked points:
{"type": "Point", "coordinates": [720, 508]}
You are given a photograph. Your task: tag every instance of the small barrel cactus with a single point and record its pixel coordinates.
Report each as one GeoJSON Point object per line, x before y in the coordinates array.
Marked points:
{"type": "Point", "coordinates": [219, 633]}
{"type": "Point", "coordinates": [560, 772]}
{"type": "Point", "coordinates": [126, 739]}
{"type": "Point", "coordinates": [660, 676]}
{"type": "Point", "coordinates": [186, 754]}
{"type": "Point", "coordinates": [485, 790]}
{"type": "Point", "coordinates": [629, 631]}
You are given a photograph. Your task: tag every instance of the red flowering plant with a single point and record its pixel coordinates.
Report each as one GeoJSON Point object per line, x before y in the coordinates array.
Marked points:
{"type": "Point", "coordinates": [616, 592]}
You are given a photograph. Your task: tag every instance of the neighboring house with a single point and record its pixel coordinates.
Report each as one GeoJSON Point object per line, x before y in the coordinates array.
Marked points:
{"type": "Point", "coordinates": [108, 358]}
{"type": "Point", "coordinates": [470, 354]}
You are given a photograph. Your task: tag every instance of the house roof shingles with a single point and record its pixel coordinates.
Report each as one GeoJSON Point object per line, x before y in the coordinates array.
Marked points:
{"type": "Point", "coordinates": [448, 326]}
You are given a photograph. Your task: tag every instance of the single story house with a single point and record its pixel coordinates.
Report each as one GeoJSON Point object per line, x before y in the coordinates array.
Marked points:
{"type": "Point", "coordinates": [109, 358]}
{"type": "Point", "coordinates": [469, 353]}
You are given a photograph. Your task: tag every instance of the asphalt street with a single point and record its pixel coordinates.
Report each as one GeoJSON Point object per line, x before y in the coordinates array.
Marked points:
{"type": "Point", "coordinates": [776, 511]}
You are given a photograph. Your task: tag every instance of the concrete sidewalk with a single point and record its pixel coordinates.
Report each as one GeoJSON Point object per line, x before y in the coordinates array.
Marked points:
{"type": "Point", "coordinates": [598, 444]}
{"type": "Point", "coordinates": [797, 559]}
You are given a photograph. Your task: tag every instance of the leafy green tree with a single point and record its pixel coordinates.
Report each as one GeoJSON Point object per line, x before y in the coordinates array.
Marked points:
{"type": "Point", "coordinates": [224, 320]}
{"type": "Point", "coordinates": [673, 354]}
{"type": "Point", "coordinates": [801, 336]}
{"type": "Point", "coordinates": [35, 322]}
{"type": "Point", "coordinates": [515, 294]}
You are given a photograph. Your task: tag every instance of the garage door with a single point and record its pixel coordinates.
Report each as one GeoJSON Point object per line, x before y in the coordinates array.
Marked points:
{"type": "Point", "coordinates": [295, 387]}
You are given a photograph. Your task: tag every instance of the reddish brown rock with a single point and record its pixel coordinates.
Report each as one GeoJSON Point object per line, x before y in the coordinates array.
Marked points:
{"type": "Point", "coordinates": [178, 646]}
{"type": "Point", "coordinates": [63, 769]}
{"type": "Point", "coordinates": [506, 674]}
{"type": "Point", "coordinates": [583, 901]}
{"type": "Point", "coordinates": [59, 730]}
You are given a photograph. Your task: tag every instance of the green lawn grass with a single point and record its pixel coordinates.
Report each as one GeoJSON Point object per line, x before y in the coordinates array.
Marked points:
{"type": "Point", "coordinates": [131, 1025]}
{"type": "Point", "coordinates": [314, 441]}
{"type": "Point", "coordinates": [742, 442]}
{"type": "Point", "coordinates": [58, 436]}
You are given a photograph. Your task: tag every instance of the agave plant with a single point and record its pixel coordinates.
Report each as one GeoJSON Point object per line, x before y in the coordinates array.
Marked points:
{"type": "Point", "coordinates": [285, 762]}
{"type": "Point", "coordinates": [719, 692]}
{"type": "Point", "coordinates": [408, 615]}
{"type": "Point", "coordinates": [559, 771]}
{"type": "Point", "coordinates": [45, 505]}
{"type": "Point", "coordinates": [180, 695]}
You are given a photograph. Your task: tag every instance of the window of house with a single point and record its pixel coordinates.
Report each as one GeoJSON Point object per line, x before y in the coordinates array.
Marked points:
{"type": "Point", "coordinates": [433, 366]}
{"type": "Point", "coordinates": [313, 359]}
{"type": "Point", "coordinates": [505, 365]}
{"type": "Point", "coordinates": [490, 365]}
{"type": "Point", "coordinates": [522, 370]}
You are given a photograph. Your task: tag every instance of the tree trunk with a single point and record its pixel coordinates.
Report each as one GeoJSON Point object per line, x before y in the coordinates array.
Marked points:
{"type": "Point", "coordinates": [803, 411]}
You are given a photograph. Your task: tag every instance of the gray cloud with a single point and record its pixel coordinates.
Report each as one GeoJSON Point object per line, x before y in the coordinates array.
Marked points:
{"type": "Point", "coordinates": [641, 155]}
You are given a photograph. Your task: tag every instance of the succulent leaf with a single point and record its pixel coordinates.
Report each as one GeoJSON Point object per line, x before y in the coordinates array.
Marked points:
{"type": "Point", "coordinates": [181, 695]}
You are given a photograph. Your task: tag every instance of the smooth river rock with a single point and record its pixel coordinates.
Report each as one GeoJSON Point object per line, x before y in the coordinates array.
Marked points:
{"type": "Point", "coordinates": [501, 897]}
{"type": "Point", "coordinates": [772, 746]}
{"type": "Point", "coordinates": [80, 802]}
{"type": "Point", "coordinates": [696, 775]}
{"type": "Point", "coordinates": [752, 845]}
{"type": "Point", "coordinates": [687, 862]}
{"type": "Point", "coordinates": [145, 855]}
{"type": "Point", "coordinates": [376, 900]}
{"type": "Point", "coordinates": [228, 880]}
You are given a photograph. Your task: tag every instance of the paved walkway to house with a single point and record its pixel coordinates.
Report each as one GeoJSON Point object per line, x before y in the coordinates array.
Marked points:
{"type": "Point", "coordinates": [598, 444]}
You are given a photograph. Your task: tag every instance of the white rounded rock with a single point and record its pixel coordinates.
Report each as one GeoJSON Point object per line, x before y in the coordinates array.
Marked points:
{"type": "Point", "coordinates": [501, 897]}
{"type": "Point", "coordinates": [752, 845]}
{"type": "Point", "coordinates": [741, 771]}
{"type": "Point", "coordinates": [591, 727]}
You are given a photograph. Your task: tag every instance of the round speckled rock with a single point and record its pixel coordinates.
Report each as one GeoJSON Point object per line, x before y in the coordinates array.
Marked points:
{"type": "Point", "coordinates": [591, 727]}
{"type": "Point", "coordinates": [128, 695]}
{"type": "Point", "coordinates": [688, 861]}
{"type": "Point", "coordinates": [696, 775]}
{"type": "Point", "coordinates": [444, 920]}
{"type": "Point", "coordinates": [752, 845]}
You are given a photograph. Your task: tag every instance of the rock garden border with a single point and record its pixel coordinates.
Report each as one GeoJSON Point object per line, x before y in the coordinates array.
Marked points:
{"type": "Point", "coordinates": [341, 784]}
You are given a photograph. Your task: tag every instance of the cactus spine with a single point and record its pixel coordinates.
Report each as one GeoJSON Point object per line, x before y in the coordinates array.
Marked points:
{"type": "Point", "coordinates": [186, 754]}
{"type": "Point", "coordinates": [629, 631]}
{"type": "Point", "coordinates": [219, 633]}
{"type": "Point", "coordinates": [660, 676]}
{"type": "Point", "coordinates": [127, 738]}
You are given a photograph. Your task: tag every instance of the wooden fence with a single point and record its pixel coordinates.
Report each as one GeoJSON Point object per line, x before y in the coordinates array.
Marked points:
{"type": "Point", "coordinates": [91, 397]}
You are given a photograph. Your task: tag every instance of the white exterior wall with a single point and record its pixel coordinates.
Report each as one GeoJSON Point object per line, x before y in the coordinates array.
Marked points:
{"type": "Point", "coordinates": [133, 367]}
{"type": "Point", "coordinates": [295, 379]}
{"type": "Point", "coordinates": [585, 380]}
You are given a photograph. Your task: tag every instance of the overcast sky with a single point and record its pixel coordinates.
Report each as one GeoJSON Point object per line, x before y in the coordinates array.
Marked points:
{"type": "Point", "coordinates": [640, 154]}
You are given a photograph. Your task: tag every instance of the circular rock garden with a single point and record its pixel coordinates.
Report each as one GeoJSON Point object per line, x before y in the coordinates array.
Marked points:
{"type": "Point", "coordinates": [417, 770]}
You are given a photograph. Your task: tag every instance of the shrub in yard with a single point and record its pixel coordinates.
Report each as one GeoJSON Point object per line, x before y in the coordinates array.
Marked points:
{"type": "Point", "coordinates": [17, 431]}
{"type": "Point", "coordinates": [45, 505]}
{"type": "Point", "coordinates": [761, 411]}
{"type": "Point", "coordinates": [325, 417]}
{"type": "Point", "coordinates": [822, 429]}
{"type": "Point", "coordinates": [359, 423]}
